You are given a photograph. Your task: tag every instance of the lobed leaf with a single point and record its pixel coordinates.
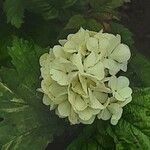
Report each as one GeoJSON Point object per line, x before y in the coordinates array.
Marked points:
{"type": "Point", "coordinates": [22, 125]}
{"type": "Point", "coordinates": [105, 5]}
{"type": "Point", "coordinates": [14, 10]}
{"type": "Point", "coordinates": [133, 130]}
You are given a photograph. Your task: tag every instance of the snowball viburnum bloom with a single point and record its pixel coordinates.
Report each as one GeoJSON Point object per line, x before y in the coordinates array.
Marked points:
{"type": "Point", "coordinates": [79, 78]}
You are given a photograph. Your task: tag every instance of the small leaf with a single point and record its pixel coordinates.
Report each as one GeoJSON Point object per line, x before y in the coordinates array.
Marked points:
{"type": "Point", "coordinates": [44, 8]}
{"type": "Point", "coordinates": [14, 10]}
{"type": "Point", "coordinates": [78, 21]}
{"type": "Point", "coordinates": [105, 5]}
{"type": "Point", "coordinates": [68, 3]}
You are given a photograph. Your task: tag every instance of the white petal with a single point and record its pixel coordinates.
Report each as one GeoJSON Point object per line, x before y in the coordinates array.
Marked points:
{"type": "Point", "coordinates": [94, 103]}
{"type": "Point", "coordinates": [112, 83]}
{"type": "Point", "coordinates": [60, 99]}
{"type": "Point", "coordinates": [112, 65]}
{"type": "Point", "coordinates": [80, 37]}
{"type": "Point", "coordinates": [45, 84]}
{"type": "Point", "coordinates": [57, 113]}
{"type": "Point", "coordinates": [121, 53]}
{"type": "Point", "coordinates": [109, 41]}
{"type": "Point", "coordinates": [58, 51]}
{"type": "Point", "coordinates": [70, 36]}
{"type": "Point", "coordinates": [118, 96]}
{"type": "Point", "coordinates": [122, 82]}
{"type": "Point", "coordinates": [103, 44]}
{"type": "Point", "coordinates": [97, 71]}
{"type": "Point", "coordinates": [125, 92]}
{"type": "Point", "coordinates": [70, 47]}
{"type": "Point", "coordinates": [64, 109]}
{"type": "Point", "coordinates": [59, 76]}
{"type": "Point", "coordinates": [77, 86]}
{"type": "Point", "coordinates": [73, 117]}
{"type": "Point", "coordinates": [101, 97]}
{"type": "Point", "coordinates": [90, 121]}
{"type": "Point", "coordinates": [123, 66]}
{"type": "Point", "coordinates": [63, 73]}
{"type": "Point", "coordinates": [46, 100]}
{"type": "Point", "coordinates": [114, 41]}
{"type": "Point", "coordinates": [101, 87]}
{"type": "Point", "coordinates": [116, 111]}
{"type": "Point", "coordinates": [128, 100]}
{"type": "Point", "coordinates": [56, 90]}
{"type": "Point", "coordinates": [86, 80]}
{"type": "Point", "coordinates": [91, 60]}
{"type": "Point", "coordinates": [114, 120]}
{"type": "Point", "coordinates": [86, 114]}
{"type": "Point", "coordinates": [77, 61]}
{"type": "Point", "coordinates": [92, 44]}
{"type": "Point", "coordinates": [79, 103]}
{"type": "Point", "coordinates": [91, 33]}
{"type": "Point", "coordinates": [104, 114]}
{"type": "Point", "coordinates": [62, 42]}
{"type": "Point", "coordinates": [44, 59]}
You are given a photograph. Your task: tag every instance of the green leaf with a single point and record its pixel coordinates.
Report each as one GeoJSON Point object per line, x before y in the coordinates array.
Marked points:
{"type": "Point", "coordinates": [126, 35]}
{"type": "Point", "coordinates": [25, 57]}
{"type": "Point", "coordinates": [105, 5]}
{"type": "Point", "coordinates": [29, 124]}
{"type": "Point", "coordinates": [44, 8]}
{"type": "Point", "coordinates": [78, 21]}
{"type": "Point", "coordinates": [141, 67]}
{"type": "Point", "coordinates": [133, 130]}
{"type": "Point", "coordinates": [14, 10]}
{"type": "Point", "coordinates": [48, 9]}
{"type": "Point", "coordinates": [25, 80]}
{"type": "Point", "coordinates": [24, 126]}
{"type": "Point", "coordinates": [42, 32]}
{"type": "Point", "coordinates": [9, 76]}
{"type": "Point", "coordinates": [68, 3]}
{"type": "Point", "coordinates": [93, 137]}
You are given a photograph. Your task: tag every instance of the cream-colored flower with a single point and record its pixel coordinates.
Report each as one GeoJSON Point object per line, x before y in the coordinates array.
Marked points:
{"type": "Point", "coordinates": [77, 79]}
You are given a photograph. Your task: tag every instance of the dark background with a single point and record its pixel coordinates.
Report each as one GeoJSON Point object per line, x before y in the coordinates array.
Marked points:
{"type": "Point", "coordinates": [136, 16]}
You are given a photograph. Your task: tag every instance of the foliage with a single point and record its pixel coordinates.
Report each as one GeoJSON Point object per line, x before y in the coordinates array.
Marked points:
{"type": "Point", "coordinates": [23, 126]}
{"type": "Point", "coordinates": [49, 9]}
{"type": "Point", "coordinates": [23, 116]}
{"type": "Point", "coordinates": [25, 123]}
{"type": "Point", "coordinates": [106, 5]}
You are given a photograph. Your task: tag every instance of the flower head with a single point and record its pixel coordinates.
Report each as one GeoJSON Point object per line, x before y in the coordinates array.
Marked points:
{"type": "Point", "coordinates": [79, 77]}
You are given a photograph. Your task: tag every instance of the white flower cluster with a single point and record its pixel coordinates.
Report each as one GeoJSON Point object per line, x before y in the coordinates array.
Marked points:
{"type": "Point", "coordinates": [79, 77]}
